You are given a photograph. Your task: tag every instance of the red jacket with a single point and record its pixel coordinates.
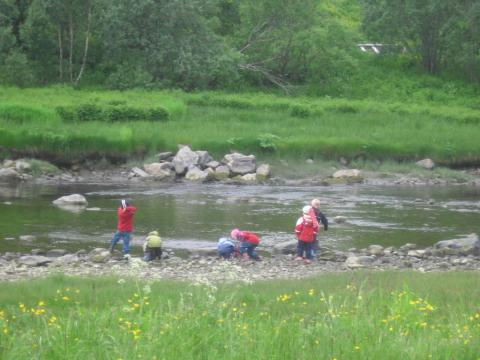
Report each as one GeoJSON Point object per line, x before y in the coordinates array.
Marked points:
{"type": "Point", "coordinates": [306, 230]}
{"type": "Point", "coordinates": [125, 218]}
{"type": "Point", "coordinates": [249, 237]}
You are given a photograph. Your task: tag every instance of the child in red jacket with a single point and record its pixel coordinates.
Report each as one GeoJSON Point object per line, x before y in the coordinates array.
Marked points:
{"type": "Point", "coordinates": [248, 242]}
{"type": "Point", "coordinates": [306, 229]}
{"type": "Point", "coordinates": [124, 226]}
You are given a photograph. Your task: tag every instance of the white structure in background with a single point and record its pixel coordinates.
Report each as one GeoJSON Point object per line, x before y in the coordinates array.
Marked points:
{"type": "Point", "coordinates": [370, 47]}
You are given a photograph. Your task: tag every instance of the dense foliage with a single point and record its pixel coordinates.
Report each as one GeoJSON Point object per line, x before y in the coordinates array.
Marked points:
{"type": "Point", "coordinates": [229, 44]}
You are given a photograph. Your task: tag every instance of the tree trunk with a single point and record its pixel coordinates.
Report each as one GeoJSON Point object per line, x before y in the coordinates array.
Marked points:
{"type": "Point", "coordinates": [60, 53]}
{"type": "Point", "coordinates": [87, 37]}
{"type": "Point", "coordinates": [70, 59]}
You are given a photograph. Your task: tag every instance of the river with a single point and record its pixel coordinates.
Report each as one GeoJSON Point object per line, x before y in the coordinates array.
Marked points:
{"type": "Point", "coordinates": [197, 215]}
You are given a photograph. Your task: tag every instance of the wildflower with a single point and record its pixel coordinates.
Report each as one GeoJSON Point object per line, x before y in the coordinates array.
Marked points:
{"type": "Point", "coordinates": [357, 347]}
{"type": "Point", "coordinates": [121, 281]}
{"type": "Point", "coordinates": [147, 289]}
{"type": "Point", "coordinates": [311, 292]}
{"type": "Point", "coordinates": [41, 303]}
{"type": "Point", "coordinates": [66, 298]}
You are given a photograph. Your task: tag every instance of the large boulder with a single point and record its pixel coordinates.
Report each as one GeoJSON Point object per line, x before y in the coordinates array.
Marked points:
{"type": "Point", "coordinates": [137, 172]}
{"type": "Point", "coordinates": [426, 164]}
{"type": "Point", "coordinates": [99, 255]}
{"type": "Point", "coordinates": [240, 164]}
{"type": "Point", "coordinates": [9, 174]}
{"type": "Point", "coordinates": [34, 260]}
{"type": "Point", "coordinates": [203, 158]}
{"type": "Point", "coordinates": [165, 156]}
{"type": "Point", "coordinates": [359, 261]}
{"type": "Point", "coordinates": [469, 245]}
{"type": "Point", "coordinates": [159, 171]}
{"type": "Point", "coordinates": [222, 172]}
{"type": "Point", "coordinates": [74, 199]}
{"type": "Point", "coordinates": [263, 172]}
{"type": "Point", "coordinates": [196, 174]}
{"type": "Point", "coordinates": [376, 250]}
{"type": "Point", "coordinates": [286, 247]}
{"type": "Point", "coordinates": [184, 158]}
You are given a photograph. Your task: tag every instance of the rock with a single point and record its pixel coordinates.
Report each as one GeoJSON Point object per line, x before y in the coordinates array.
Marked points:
{"type": "Point", "coordinates": [34, 260]}
{"type": "Point", "coordinates": [343, 161]}
{"type": "Point", "coordinates": [240, 164]}
{"type": "Point", "coordinates": [27, 238]}
{"type": "Point", "coordinates": [426, 164]}
{"type": "Point", "coordinates": [263, 172]}
{"type": "Point", "coordinates": [9, 163]}
{"type": "Point", "coordinates": [376, 250]}
{"type": "Point", "coordinates": [9, 174]}
{"type": "Point", "coordinates": [74, 199]}
{"type": "Point", "coordinates": [203, 158]}
{"type": "Point", "coordinates": [37, 252]}
{"type": "Point", "coordinates": [213, 164]}
{"type": "Point", "coordinates": [22, 166]}
{"type": "Point", "coordinates": [165, 156]}
{"type": "Point", "coordinates": [469, 245]}
{"type": "Point", "coordinates": [184, 158]}
{"type": "Point", "coordinates": [309, 161]}
{"type": "Point", "coordinates": [359, 261]}
{"type": "Point", "coordinates": [139, 173]}
{"type": "Point", "coordinates": [416, 253]}
{"type": "Point", "coordinates": [349, 176]}
{"type": "Point", "coordinates": [56, 252]}
{"type": "Point", "coordinates": [249, 178]}
{"type": "Point", "coordinates": [286, 247]}
{"type": "Point", "coordinates": [68, 259]}
{"type": "Point", "coordinates": [196, 174]}
{"type": "Point", "coordinates": [222, 172]}
{"type": "Point", "coordinates": [160, 171]}
{"type": "Point", "coordinates": [340, 219]}
{"type": "Point", "coordinates": [407, 247]}
{"type": "Point", "coordinates": [330, 255]}
{"type": "Point", "coordinates": [99, 255]}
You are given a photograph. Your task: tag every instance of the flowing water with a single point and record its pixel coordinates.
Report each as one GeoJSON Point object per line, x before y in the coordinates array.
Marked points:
{"type": "Point", "coordinates": [197, 215]}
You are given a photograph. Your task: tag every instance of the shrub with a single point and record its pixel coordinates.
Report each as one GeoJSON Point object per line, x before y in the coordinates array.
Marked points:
{"type": "Point", "coordinates": [89, 112]}
{"type": "Point", "coordinates": [300, 111]}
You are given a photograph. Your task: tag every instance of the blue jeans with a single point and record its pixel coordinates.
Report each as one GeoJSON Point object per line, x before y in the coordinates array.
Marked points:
{"type": "Point", "coordinates": [248, 248]}
{"type": "Point", "coordinates": [305, 247]}
{"type": "Point", "coordinates": [125, 235]}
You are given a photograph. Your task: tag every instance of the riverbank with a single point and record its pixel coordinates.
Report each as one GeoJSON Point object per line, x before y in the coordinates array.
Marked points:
{"type": "Point", "coordinates": [65, 126]}
{"type": "Point", "coordinates": [279, 263]}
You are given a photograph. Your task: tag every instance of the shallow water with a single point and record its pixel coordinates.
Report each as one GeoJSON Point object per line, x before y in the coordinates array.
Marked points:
{"type": "Point", "coordinates": [197, 215]}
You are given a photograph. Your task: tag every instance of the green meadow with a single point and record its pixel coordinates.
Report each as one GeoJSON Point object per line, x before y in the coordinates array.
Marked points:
{"type": "Point", "coordinates": [361, 315]}
{"type": "Point", "coordinates": [64, 124]}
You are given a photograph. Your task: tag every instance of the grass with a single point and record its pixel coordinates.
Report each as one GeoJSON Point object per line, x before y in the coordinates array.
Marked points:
{"type": "Point", "coordinates": [361, 315]}
{"type": "Point", "coordinates": [266, 125]}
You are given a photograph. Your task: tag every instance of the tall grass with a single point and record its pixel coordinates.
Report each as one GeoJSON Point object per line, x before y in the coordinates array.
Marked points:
{"type": "Point", "coordinates": [335, 316]}
{"type": "Point", "coordinates": [258, 123]}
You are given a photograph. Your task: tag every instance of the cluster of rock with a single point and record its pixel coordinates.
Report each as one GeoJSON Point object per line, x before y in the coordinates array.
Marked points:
{"type": "Point", "coordinates": [15, 170]}
{"type": "Point", "coordinates": [199, 166]}
{"type": "Point", "coordinates": [456, 254]}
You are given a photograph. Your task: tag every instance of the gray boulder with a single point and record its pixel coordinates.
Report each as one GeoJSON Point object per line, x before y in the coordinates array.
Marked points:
{"type": "Point", "coordinates": [340, 219]}
{"type": "Point", "coordinates": [263, 172]}
{"type": "Point", "coordinates": [137, 172]}
{"type": "Point", "coordinates": [74, 199]}
{"type": "Point", "coordinates": [159, 171]}
{"type": "Point", "coordinates": [222, 172]}
{"type": "Point", "coordinates": [240, 164]}
{"type": "Point", "coordinates": [9, 174]}
{"type": "Point", "coordinates": [213, 164]}
{"type": "Point", "coordinates": [196, 174]}
{"type": "Point", "coordinates": [184, 158]}
{"type": "Point", "coordinates": [469, 245]}
{"type": "Point", "coordinates": [286, 247]}
{"type": "Point", "coordinates": [203, 158]}
{"type": "Point", "coordinates": [346, 176]}
{"type": "Point", "coordinates": [249, 178]}
{"type": "Point", "coordinates": [34, 260]}
{"type": "Point", "coordinates": [99, 255]}
{"type": "Point", "coordinates": [426, 164]}
{"type": "Point", "coordinates": [56, 252]}
{"type": "Point", "coordinates": [27, 238]}
{"type": "Point", "coordinates": [376, 250]}
{"type": "Point", "coordinates": [359, 261]}
{"type": "Point", "coordinates": [165, 156]}
{"type": "Point", "coordinates": [23, 166]}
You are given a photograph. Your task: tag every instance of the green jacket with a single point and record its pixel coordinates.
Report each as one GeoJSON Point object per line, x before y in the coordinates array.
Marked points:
{"type": "Point", "coordinates": [154, 240]}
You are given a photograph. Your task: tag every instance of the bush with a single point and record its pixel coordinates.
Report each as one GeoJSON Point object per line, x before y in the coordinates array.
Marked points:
{"type": "Point", "coordinates": [300, 111]}
{"type": "Point", "coordinates": [92, 112]}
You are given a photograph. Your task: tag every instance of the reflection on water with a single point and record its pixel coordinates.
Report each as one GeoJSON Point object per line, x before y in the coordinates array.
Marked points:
{"type": "Point", "coordinates": [196, 215]}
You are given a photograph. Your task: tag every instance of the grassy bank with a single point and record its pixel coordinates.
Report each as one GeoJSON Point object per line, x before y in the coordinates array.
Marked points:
{"type": "Point", "coordinates": [31, 122]}
{"type": "Point", "coordinates": [340, 316]}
